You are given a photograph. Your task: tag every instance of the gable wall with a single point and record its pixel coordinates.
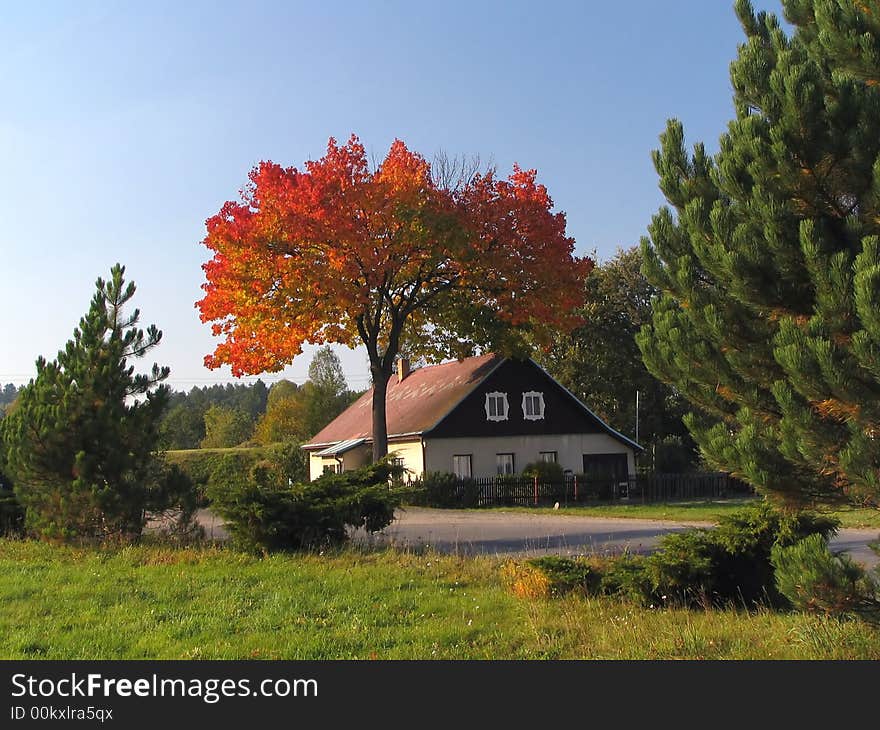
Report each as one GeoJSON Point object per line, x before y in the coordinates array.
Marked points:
{"type": "Point", "coordinates": [561, 414]}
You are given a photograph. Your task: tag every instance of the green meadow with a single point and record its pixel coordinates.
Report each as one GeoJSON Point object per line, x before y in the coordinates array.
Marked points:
{"type": "Point", "coordinates": [153, 602]}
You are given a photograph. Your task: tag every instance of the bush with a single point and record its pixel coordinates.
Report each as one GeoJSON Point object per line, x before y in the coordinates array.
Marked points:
{"type": "Point", "coordinates": [548, 471]}
{"type": "Point", "coordinates": [815, 580]}
{"type": "Point", "coordinates": [200, 464]}
{"type": "Point", "coordinates": [551, 576]}
{"type": "Point", "coordinates": [731, 563]}
{"type": "Point", "coordinates": [685, 569]}
{"type": "Point", "coordinates": [626, 576]}
{"type": "Point", "coordinates": [441, 489]}
{"type": "Point", "coordinates": [264, 513]}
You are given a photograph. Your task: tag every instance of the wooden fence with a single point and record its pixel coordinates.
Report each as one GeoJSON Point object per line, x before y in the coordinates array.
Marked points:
{"type": "Point", "coordinates": [523, 491]}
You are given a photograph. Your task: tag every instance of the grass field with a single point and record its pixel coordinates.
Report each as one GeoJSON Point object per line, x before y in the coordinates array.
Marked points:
{"type": "Point", "coordinates": [691, 511]}
{"type": "Point", "coordinates": [154, 602]}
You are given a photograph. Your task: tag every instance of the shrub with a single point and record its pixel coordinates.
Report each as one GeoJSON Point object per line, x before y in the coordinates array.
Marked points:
{"type": "Point", "coordinates": [816, 580]}
{"type": "Point", "coordinates": [627, 576]}
{"type": "Point", "coordinates": [200, 464]}
{"type": "Point", "coordinates": [441, 489]}
{"type": "Point", "coordinates": [731, 563]}
{"type": "Point", "coordinates": [685, 568]}
{"type": "Point", "coordinates": [567, 574]}
{"type": "Point", "coordinates": [525, 581]}
{"type": "Point", "coordinates": [744, 571]}
{"type": "Point", "coordinates": [264, 513]}
{"type": "Point", "coordinates": [548, 471]}
{"type": "Point", "coordinates": [551, 576]}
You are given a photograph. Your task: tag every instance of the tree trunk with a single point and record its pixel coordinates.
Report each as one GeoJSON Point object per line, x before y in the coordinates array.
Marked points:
{"type": "Point", "coordinates": [380, 427]}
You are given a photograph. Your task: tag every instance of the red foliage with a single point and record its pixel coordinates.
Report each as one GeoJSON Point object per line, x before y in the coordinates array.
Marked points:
{"type": "Point", "coordinates": [340, 253]}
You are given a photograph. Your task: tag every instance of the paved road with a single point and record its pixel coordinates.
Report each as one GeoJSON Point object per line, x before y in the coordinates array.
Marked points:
{"type": "Point", "coordinates": [517, 533]}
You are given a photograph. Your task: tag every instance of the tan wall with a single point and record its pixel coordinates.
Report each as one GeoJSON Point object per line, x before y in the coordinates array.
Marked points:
{"type": "Point", "coordinates": [570, 449]}
{"type": "Point", "coordinates": [352, 459]}
{"type": "Point", "coordinates": [411, 453]}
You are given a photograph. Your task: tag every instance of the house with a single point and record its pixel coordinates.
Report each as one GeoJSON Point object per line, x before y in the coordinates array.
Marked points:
{"type": "Point", "coordinates": [478, 417]}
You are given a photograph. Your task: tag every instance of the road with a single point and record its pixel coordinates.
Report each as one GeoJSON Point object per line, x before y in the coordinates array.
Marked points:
{"type": "Point", "coordinates": [497, 532]}
{"type": "Point", "coordinates": [517, 533]}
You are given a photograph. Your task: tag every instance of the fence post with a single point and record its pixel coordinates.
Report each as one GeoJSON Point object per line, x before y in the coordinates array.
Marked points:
{"type": "Point", "coordinates": [536, 491]}
{"type": "Point", "coordinates": [575, 488]}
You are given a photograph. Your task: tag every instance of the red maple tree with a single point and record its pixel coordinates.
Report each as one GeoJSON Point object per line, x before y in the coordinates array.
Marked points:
{"type": "Point", "coordinates": [391, 258]}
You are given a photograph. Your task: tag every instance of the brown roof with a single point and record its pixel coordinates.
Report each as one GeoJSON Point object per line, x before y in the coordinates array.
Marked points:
{"type": "Point", "coordinates": [415, 405]}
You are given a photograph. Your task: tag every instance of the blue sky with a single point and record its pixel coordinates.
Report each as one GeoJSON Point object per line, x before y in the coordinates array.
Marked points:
{"type": "Point", "coordinates": [123, 126]}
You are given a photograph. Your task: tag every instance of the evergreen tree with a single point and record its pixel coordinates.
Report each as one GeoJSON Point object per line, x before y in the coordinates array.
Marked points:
{"type": "Point", "coordinates": [80, 444]}
{"type": "Point", "coordinates": [770, 263]}
{"type": "Point", "coordinates": [183, 426]}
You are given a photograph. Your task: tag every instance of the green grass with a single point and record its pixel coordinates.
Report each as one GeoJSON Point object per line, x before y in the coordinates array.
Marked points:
{"type": "Point", "coordinates": [184, 453]}
{"type": "Point", "coordinates": [164, 603]}
{"type": "Point", "coordinates": [689, 511]}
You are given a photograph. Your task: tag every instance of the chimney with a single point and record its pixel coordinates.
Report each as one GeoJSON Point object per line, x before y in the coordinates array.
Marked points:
{"type": "Point", "coordinates": [402, 369]}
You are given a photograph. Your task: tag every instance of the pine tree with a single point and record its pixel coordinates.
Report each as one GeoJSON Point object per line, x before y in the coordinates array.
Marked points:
{"type": "Point", "coordinates": [81, 443]}
{"type": "Point", "coordinates": [770, 263]}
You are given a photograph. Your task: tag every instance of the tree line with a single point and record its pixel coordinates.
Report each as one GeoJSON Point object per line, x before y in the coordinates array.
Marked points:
{"type": "Point", "coordinates": [222, 416]}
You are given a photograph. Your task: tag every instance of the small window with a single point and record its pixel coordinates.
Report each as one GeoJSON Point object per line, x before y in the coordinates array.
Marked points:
{"type": "Point", "coordinates": [548, 456]}
{"type": "Point", "coordinates": [533, 405]}
{"type": "Point", "coordinates": [397, 461]}
{"type": "Point", "coordinates": [461, 466]}
{"type": "Point", "coordinates": [504, 463]}
{"type": "Point", "coordinates": [496, 406]}
{"type": "Point", "coordinates": [332, 468]}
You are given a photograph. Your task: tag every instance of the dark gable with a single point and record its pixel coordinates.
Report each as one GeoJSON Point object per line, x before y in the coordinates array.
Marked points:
{"type": "Point", "coordinates": [562, 414]}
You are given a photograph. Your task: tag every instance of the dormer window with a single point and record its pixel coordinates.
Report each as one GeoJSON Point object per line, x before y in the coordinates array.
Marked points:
{"type": "Point", "coordinates": [496, 406]}
{"type": "Point", "coordinates": [533, 405]}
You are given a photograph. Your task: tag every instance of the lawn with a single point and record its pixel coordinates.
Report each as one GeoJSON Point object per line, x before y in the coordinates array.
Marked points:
{"type": "Point", "coordinates": [691, 511]}
{"type": "Point", "coordinates": [164, 603]}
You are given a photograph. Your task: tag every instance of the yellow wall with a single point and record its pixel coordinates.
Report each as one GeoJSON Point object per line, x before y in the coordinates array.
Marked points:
{"type": "Point", "coordinates": [411, 453]}
{"type": "Point", "coordinates": [352, 459]}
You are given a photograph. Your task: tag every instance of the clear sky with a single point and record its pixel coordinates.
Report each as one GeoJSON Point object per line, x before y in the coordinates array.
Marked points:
{"type": "Point", "coordinates": [123, 126]}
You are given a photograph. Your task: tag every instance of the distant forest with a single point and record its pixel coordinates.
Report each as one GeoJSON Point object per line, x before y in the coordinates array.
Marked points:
{"type": "Point", "coordinates": [234, 414]}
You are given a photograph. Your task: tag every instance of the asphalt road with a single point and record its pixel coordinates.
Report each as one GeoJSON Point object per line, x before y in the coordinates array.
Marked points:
{"type": "Point", "coordinates": [518, 533]}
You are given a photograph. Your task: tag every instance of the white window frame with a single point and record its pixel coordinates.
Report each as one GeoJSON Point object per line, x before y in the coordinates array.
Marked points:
{"type": "Point", "coordinates": [497, 396]}
{"type": "Point", "coordinates": [498, 464]}
{"type": "Point", "coordinates": [469, 460]}
{"type": "Point", "coordinates": [543, 454]}
{"type": "Point", "coordinates": [539, 416]}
